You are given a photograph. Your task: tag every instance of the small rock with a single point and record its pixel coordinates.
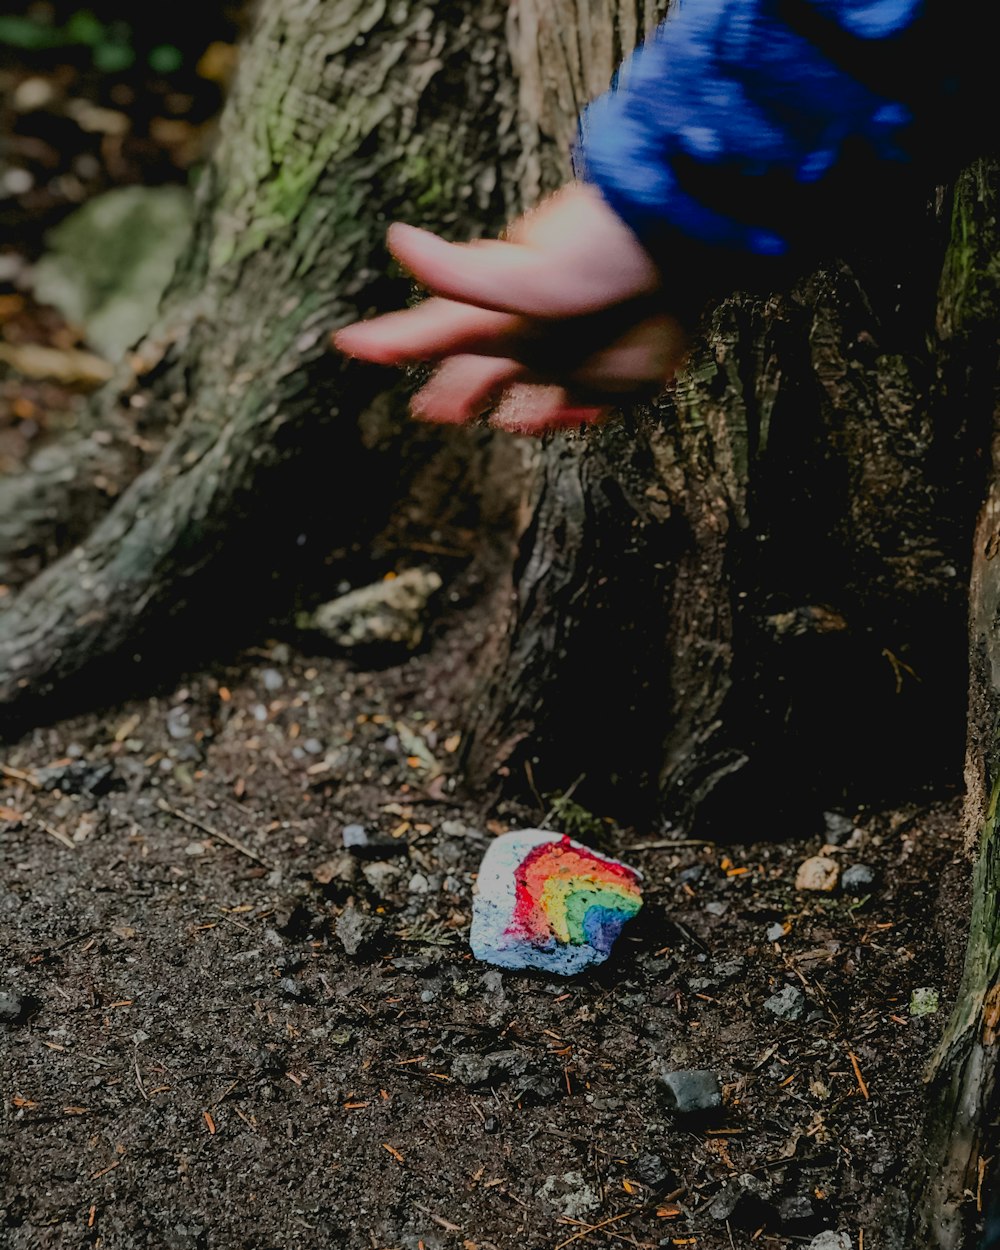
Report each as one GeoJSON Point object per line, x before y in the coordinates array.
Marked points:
{"type": "Point", "coordinates": [108, 263]}
{"type": "Point", "coordinates": [838, 827]}
{"type": "Point", "coordinates": [391, 612]}
{"type": "Point", "coordinates": [691, 1090]}
{"type": "Point", "coordinates": [358, 932]}
{"type": "Point", "coordinates": [375, 845]}
{"type": "Point", "coordinates": [795, 1209]}
{"type": "Point", "coordinates": [745, 1191]}
{"type": "Point", "coordinates": [342, 868]}
{"type": "Point", "coordinates": [651, 1170]}
{"type": "Point", "coordinates": [382, 877]}
{"type": "Point", "coordinates": [418, 884]}
{"type": "Point", "coordinates": [817, 873]}
{"type": "Point", "coordinates": [519, 922]}
{"type": "Point", "coordinates": [272, 679]}
{"type": "Point", "coordinates": [858, 879]}
{"type": "Point", "coordinates": [776, 932]}
{"type": "Point", "coordinates": [831, 1241]}
{"type": "Point", "coordinates": [472, 1070]}
{"type": "Point", "coordinates": [787, 1004]}
{"type": "Point", "coordinates": [77, 777]}
{"type": "Point", "coordinates": [570, 1194]}
{"type": "Point", "coordinates": [924, 1001]}
{"type": "Point", "coordinates": [13, 1007]}
{"type": "Point", "coordinates": [195, 848]}
{"type": "Point", "coordinates": [716, 909]}
{"type": "Point", "coordinates": [727, 969]}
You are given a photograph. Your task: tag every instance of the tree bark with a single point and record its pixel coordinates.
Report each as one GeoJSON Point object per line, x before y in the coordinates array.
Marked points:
{"type": "Point", "coordinates": [345, 114]}
{"type": "Point", "coordinates": [751, 596]}
{"type": "Point", "coordinates": [958, 1179]}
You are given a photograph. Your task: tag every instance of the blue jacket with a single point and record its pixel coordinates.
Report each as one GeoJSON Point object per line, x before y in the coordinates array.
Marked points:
{"type": "Point", "coordinates": [754, 126]}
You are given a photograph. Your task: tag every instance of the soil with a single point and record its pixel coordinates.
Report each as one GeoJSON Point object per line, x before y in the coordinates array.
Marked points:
{"type": "Point", "coordinates": [198, 1062]}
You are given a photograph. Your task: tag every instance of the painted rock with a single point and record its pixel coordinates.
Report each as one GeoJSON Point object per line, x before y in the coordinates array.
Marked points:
{"type": "Point", "coordinates": [544, 901]}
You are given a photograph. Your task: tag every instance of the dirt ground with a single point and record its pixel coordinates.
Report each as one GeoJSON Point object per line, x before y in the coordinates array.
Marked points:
{"type": "Point", "coordinates": [191, 1058]}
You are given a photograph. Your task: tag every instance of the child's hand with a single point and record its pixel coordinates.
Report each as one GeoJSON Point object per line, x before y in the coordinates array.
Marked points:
{"type": "Point", "coordinates": [563, 318]}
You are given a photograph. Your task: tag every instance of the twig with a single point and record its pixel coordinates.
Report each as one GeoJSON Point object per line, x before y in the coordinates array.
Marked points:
{"type": "Point", "coordinates": [235, 843]}
{"type": "Point", "coordinates": [665, 844]}
{"type": "Point", "coordinates": [593, 1228]}
{"type": "Point", "coordinates": [62, 838]}
{"type": "Point", "coordinates": [15, 774]}
{"type": "Point", "coordinates": [563, 798]}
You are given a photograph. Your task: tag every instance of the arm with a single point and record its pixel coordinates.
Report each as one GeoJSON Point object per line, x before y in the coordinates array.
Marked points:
{"type": "Point", "coordinates": [742, 131]}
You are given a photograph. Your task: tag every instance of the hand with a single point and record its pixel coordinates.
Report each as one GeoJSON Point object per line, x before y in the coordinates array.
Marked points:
{"type": "Point", "coordinates": [563, 318]}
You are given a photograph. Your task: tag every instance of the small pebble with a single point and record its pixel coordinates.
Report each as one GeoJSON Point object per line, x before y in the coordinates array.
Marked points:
{"type": "Point", "coordinates": [831, 1241]}
{"type": "Point", "coordinates": [12, 1007]}
{"type": "Point", "coordinates": [691, 1090]}
{"type": "Point", "coordinates": [787, 1004]}
{"type": "Point", "coordinates": [796, 1209]}
{"type": "Point", "coordinates": [272, 679]}
{"type": "Point", "coordinates": [858, 879]}
{"type": "Point", "coordinates": [776, 932]}
{"type": "Point", "coordinates": [924, 1001]}
{"type": "Point", "coordinates": [817, 873]}
{"type": "Point", "coordinates": [838, 827]}
{"type": "Point", "coordinates": [357, 931]}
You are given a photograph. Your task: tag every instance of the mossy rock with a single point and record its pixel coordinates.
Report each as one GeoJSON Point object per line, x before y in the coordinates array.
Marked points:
{"type": "Point", "coordinates": [109, 263]}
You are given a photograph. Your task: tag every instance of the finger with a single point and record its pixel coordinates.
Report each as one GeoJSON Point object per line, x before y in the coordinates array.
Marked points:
{"type": "Point", "coordinates": [641, 360]}
{"type": "Point", "coordinates": [463, 388]}
{"type": "Point", "coordinates": [433, 329]}
{"type": "Point", "coordinates": [510, 277]}
{"type": "Point", "coordinates": [535, 410]}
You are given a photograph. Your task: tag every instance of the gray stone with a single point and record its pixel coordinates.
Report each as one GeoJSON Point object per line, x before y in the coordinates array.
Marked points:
{"type": "Point", "coordinates": [691, 1090]}
{"type": "Point", "coordinates": [651, 1170]}
{"type": "Point", "coordinates": [744, 1190]}
{"type": "Point", "coordinates": [831, 1241]}
{"type": "Point", "coordinates": [357, 931]}
{"type": "Point", "coordinates": [378, 845]}
{"type": "Point", "coordinates": [110, 261]}
{"type": "Point", "coordinates": [858, 879]}
{"type": "Point", "coordinates": [272, 679]}
{"type": "Point", "coordinates": [776, 932]}
{"type": "Point", "coordinates": [795, 1209]}
{"type": "Point", "coordinates": [838, 827]}
{"type": "Point", "coordinates": [13, 1007]}
{"type": "Point", "coordinates": [500, 1065]}
{"type": "Point", "coordinates": [787, 1004]}
{"type": "Point", "coordinates": [382, 877]}
{"type": "Point", "coordinates": [570, 1194]}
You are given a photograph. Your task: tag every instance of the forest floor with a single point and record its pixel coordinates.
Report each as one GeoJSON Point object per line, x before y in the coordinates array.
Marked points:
{"type": "Point", "coordinates": [190, 1056]}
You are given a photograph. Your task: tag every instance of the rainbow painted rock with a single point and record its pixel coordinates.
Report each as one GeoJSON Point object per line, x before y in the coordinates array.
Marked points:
{"type": "Point", "coordinates": [544, 901]}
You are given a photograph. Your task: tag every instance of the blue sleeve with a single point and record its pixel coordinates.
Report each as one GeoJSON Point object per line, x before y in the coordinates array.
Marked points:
{"type": "Point", "coordinates": [733, 124]}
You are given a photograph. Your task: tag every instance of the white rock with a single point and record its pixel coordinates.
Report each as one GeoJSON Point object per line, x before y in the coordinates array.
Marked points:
{"type": "Point", "coordinates": [544, 901]}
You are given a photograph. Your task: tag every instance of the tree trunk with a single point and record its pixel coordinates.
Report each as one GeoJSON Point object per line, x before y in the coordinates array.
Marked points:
{"type": "Point", "coordinates": [752, 597]}
{"type": "Point", "coordinates": [344, 115]}
{"type": "Point", "coordinates": [959, 1178]}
